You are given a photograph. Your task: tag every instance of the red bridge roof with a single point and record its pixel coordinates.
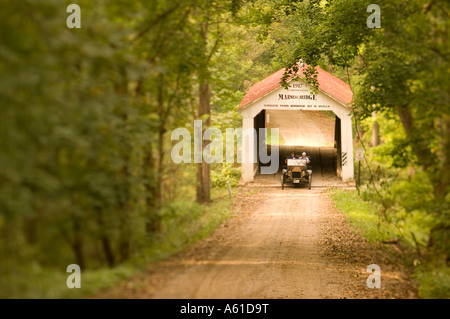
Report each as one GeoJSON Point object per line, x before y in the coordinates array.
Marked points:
{"type": "Point", "coordinates": [328, 84]}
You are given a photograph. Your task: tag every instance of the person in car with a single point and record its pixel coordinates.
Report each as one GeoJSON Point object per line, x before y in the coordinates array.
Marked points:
{"type": "Point", "coordinates": [308, 160]}
{"type": "Point", "coordinates": [292, 156]}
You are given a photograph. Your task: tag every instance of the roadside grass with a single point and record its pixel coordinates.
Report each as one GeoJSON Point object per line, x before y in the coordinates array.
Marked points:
{"type": "Point", "coordinates": [361, 215]}
{"type": "Point", "coordinates": [183, 223]}
{"type": "Point", "coordinates": [433, 281]}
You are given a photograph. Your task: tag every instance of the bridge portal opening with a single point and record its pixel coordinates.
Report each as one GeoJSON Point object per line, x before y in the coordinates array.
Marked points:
{"type": "Point", "coordinates": [302, 131]}
{"type": "Point", "coordinates": [316, 122]}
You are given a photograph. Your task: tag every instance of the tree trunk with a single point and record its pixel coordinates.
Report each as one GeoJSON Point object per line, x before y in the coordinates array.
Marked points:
{"type": "Point", "coordinates": [77, 244]}
{"type": "Point", "coordinates": [30, 229]}
{"type": "Point", "coordinates": [199, 183]}
{"type": "Point", "coordinates": [203, 169]}
{"type": "Point", "coordinates": [421, 149]}
{"type": "Point", "coordinates": [151, 225]}
{"type": "Point", "coordinates": [444, 157]}
{"type": "Point", "coordinates": [161, 131]}
{"type": "Point", "coordinates": [439, 181]}
{"type": "Point", "coordinates": [125, 236]}
{"type": "Point", "coordinates": [107, 250]}
{"type": "Point", "coordinates": [204, 109]}
{"type": "Point", "coordinates": [104, 239]}
{"type": "Point", "coordinates": [406, 119]}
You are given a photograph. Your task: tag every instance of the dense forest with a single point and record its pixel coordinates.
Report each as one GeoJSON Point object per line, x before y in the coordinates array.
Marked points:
{"type": "Point", "coordinates": [87, 114]}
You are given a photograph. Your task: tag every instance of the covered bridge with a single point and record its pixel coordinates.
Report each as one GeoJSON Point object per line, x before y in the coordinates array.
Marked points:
{"type": "Point", "coordinates": [268, 97]}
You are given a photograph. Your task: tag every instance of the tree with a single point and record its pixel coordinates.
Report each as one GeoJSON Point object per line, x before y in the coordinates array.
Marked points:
{"type": "Point", "coordinates": [399, 67]}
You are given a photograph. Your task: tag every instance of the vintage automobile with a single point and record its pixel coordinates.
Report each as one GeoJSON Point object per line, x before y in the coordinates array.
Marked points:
{"type": "Point", "coordinates": [296, 172]}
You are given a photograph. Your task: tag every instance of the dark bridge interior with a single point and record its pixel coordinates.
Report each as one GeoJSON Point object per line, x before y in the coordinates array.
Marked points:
{"type": "Point", "coordinates": [317, 132]}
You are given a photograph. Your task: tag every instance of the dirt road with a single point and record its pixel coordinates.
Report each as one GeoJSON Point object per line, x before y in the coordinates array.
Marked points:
{"type": "Point", "coordinates": [288, 243]}
{"type": "Point", "coordinates": [281, 244]}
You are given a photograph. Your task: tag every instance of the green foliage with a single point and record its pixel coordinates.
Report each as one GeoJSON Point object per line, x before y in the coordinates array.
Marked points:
{"type": "Point", "coordinates": [85, 115]}
{"type": "Point", "coordinates": [280, 140]}
{"type": "Point", "coordinates": [433, 280]}
{"type": "Point", "coordinates": [362, 216]}
{"type": "Point", "coordinates": [405, 203]}
{"type": "Point", "coordinates": [434, 284]}
{"type": "Point", "coordinates": [83, 137]}
{"type": "Point", "coordinates": [395, 70]}
{"type": "Point", "coordinates": [226, 172]}
{"type": "Point", "coordinates": [392, 178]}
{"type": "Point", "coordinates": [183, 224]}
{"type": "Point", "coordinates": [404, 195]}
{"type": "Point", "coordinates": [74, 142]}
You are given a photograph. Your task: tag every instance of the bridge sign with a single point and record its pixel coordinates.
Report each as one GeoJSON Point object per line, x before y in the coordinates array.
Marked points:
{"type": "Point", "coordinates": [359, 154]}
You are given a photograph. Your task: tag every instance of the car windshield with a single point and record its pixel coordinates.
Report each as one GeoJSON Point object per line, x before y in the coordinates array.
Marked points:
{"type": "Point", "coordinates": [297, 162]}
